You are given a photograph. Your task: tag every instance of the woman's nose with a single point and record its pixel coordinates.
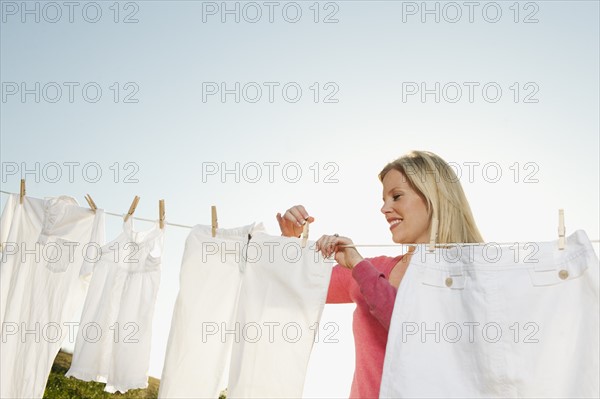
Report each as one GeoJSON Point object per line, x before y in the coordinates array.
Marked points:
{"type": "Point", "coordinates": [385, 208]}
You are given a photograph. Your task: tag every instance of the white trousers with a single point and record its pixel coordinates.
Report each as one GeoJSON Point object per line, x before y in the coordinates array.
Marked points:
{"type": "Point", "coordinates": [490, 321]}
{"type": "Point", "coordinates": [247, 304]}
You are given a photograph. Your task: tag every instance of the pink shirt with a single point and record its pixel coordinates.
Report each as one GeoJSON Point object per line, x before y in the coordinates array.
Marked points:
{"type": "Point", "coordinates": [367, 285]}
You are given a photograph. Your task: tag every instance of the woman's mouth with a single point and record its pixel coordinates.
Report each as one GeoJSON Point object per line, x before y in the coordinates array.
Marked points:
{"type": "Point", "coordinates": [394, 222]}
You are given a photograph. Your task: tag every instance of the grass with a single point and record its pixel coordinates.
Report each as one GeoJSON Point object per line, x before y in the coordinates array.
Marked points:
{"type": "Point", "coordinates": [61, 387]}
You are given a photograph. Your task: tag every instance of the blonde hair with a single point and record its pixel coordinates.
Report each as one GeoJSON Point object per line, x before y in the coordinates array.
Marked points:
{"type": "Point", "coordinates": [435, 181]}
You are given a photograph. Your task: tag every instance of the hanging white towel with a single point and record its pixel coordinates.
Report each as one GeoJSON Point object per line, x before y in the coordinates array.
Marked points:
{"type": "Point", "coordinates": [114, 338]}
{"type": "Point", "coordinates": [490, 322]}
{"type": "Point", "coordinates": [48, 243]}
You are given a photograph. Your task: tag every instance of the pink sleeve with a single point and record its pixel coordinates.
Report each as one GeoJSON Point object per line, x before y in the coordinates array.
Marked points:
{"type": "Point", "coordinates": [377, 291]}
{"type": "Point", "coordinates": [339, 285]}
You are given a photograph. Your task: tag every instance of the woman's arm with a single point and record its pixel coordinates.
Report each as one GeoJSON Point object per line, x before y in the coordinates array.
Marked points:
{"type": "Point", "coordinates": [339, 285]}
{"type": "Point", "coordinates": [379, 294]}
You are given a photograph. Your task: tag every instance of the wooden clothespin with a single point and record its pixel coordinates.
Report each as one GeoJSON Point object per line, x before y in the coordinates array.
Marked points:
{"type": "Point", "coordinates": [161, 213]}
{"type": "Point", "coordinates": [214, 223]}
{"type": "Point", "coordinates": [91, 202]}
{"type": "Point", "coordinates": [561, 229]}
{"type": "Point", "coordinates": [132, 207]}
{"type": "Point", "coordinates": [22, 191]}
{"type": "Point", "coordinates": [433, 236]}
{"type": "Point", "coordinates": [305, 233]}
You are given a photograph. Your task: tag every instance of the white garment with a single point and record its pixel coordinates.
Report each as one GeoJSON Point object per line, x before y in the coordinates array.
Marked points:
{"type": "Point", "coordinates": [208, 295]}
{"type": "Point", "coordinates": [11, 224]}
{"type": "Point", "coordinates": [281, 301]}
{"type": "Point", "coordinates": [114, 337]}
{"type": "Point", "coordinates": [41, 286]}
{"type": "Point", "coordinates": [237, 292]}
{"type": "Point", "coordinates": [7, 217]}
{"type": "Point", "coordinates": [537, 310]}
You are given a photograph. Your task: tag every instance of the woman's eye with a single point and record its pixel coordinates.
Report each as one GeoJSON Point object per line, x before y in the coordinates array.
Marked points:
{"type": "Point", "coordinates": [395, 197]}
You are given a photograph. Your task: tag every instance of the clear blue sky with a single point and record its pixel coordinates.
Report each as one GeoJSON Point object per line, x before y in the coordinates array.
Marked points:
{"type": "Point", "coordinates": [145, 92]}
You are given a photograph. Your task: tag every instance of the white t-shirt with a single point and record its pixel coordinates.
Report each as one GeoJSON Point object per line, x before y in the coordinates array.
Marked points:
{"type": "Point", "coordinates": [48, 243]}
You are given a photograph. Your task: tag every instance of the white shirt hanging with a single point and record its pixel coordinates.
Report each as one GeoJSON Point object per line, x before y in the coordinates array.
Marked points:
{"type": "Point", "coordinates": [114, 337]}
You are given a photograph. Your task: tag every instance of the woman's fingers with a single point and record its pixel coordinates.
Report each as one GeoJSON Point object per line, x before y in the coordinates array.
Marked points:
{"type": "Point", "coordinates": [301, 211]}
{"type": "Point", "coordinates": [324, 243]}
{"type": "Point", "coordinates": [297, 214]}
{"type": "Point", "coordinates": [293, 220]}
{"type": "Point", "coordinates": [328, 244]}
{"type": "Point", "coordinates": [320, 244]}
{"type": "Point", "coordinates": [281, 222]}
{"type": "Point", "coordinates": [294, 216]}
{"type": "Point", "coordinates": [286, 226]}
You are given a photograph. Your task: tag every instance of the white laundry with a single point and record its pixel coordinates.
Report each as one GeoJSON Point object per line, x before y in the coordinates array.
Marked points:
{"type": "Point", "coordinates": [497, 322]}
{"type": "Point", "coordinates": [114, 339]}
{"type": "Point", "coordinates": [208, 296]}
{"type": "Point", "coordinates": [239, 297]}
{"type": "Point", "coordinates": [7, 218]}
{"type": "Point", "coordinates": [16, 229]}
{"type": "Point", "coordinates": [47, 245]}
{"type": "Point", "coordinates": [281, 301]}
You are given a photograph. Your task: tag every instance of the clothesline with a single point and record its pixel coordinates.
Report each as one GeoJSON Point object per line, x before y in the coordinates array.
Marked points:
{"type": "Point", "coordinates": [149, 220]}
{"type": "Point", "coordinates": [132, 217]}
{"type": "Point", "coordinates": [345, 246]}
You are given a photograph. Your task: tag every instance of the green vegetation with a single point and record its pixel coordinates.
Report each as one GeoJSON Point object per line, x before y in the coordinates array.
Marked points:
{"type": "Point", "coordinates": [61, 387]}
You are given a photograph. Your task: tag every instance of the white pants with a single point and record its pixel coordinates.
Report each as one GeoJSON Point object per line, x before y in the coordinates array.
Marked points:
{"type": "Point", "coordinates": [252, 303]}
{"type": "Point", "coordinates": [496, 322]}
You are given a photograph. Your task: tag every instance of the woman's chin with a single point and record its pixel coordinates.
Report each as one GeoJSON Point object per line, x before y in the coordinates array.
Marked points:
{"type": "Point", "coordinates": [402, 239]}
{"type": "Point", "coordinates": [398, 239]}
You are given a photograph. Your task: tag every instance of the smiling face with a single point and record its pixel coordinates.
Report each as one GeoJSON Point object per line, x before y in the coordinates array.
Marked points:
{"type": "Point", "coordinates": [404, 209]}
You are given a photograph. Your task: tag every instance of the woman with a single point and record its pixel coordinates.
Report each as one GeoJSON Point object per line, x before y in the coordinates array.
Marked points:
{"type": "Point", "coordinates": [416, 187]}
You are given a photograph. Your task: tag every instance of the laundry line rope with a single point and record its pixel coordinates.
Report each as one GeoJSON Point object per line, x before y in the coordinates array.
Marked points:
{"type": "Point", "coordinates": [149, 220]}
{"type": "Point", "coordinates": [344, 246]}
{"type": "Point", "coordinates": [121, 215]}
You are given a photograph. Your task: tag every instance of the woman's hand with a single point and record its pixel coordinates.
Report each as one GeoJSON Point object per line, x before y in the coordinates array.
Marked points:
{"type": "Point", "coordinates": [345, 256]}
{"type": "Point", "coordinates": [293, 220]}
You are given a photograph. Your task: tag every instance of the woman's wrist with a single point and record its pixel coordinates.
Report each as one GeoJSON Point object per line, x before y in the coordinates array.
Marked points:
{"type": "Point", "coordinates": [355, 260]}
